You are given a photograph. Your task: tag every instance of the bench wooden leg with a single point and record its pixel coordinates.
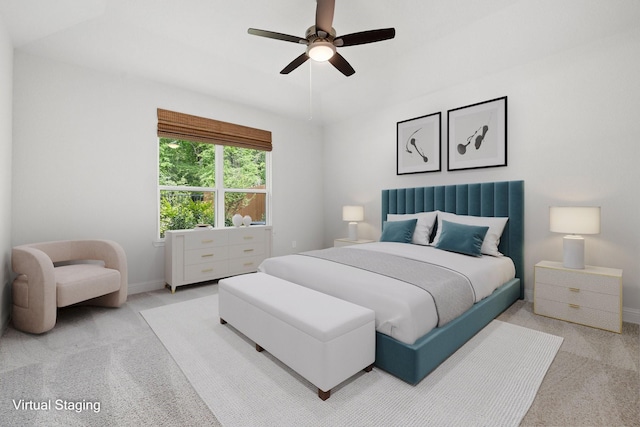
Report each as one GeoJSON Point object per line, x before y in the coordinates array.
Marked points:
{"type": "Point", "coordinates": [324, 395]}
{"type": "Point", "coordinates": [369, 368]}
{"type": "Point", "coordinates": [258, 348]}
{"type": "Point", "coordinates": [224, 322]}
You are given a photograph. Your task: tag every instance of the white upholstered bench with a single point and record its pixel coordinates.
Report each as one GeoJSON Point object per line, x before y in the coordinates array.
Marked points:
{"type": "Point", "coordinates": [323, 338]}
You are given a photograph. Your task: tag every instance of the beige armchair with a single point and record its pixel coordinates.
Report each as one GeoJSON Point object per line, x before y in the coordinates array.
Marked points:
{"type": "Point", "coordinates": [93, 271]}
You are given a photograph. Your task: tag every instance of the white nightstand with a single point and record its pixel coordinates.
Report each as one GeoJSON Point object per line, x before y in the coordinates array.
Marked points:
{"type": "Point", "coordinates": [591, 296]}
{"type": "Point", "coordinates": [346, 242]}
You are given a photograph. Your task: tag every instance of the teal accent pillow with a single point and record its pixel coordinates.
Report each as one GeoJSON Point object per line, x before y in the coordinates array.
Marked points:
{"type": "Point", "coordinates": [398, 231]}
{"type": "Point", "coordinates": [462, 238]}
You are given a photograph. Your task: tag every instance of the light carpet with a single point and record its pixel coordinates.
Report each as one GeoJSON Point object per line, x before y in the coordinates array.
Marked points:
{"type": "Point", "coordinates": [491, 381]}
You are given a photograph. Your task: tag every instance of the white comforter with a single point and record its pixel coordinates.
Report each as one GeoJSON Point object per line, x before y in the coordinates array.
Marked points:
{"type": "Point", "coordinates": [403, 311]}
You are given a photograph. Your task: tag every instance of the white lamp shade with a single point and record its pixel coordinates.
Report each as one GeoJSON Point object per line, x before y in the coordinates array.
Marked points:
{"type": "Point", "coordinates": [574, 219]}
{"type": "Point", "coordinates": [321, 51]}
{"type": "Point", "coordinates": [352, 213]}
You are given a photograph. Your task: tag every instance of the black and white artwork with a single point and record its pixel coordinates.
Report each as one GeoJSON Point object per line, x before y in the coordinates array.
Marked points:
{"type": "Point", "coordinates": [477, 135]}
{"type": "Point", "coordinates": [418, 145]}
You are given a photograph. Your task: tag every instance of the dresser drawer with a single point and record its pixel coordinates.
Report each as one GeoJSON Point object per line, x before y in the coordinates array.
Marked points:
{"type": "Point", "coordinates": [579, 314]}
{"type": "Point", "coordinates": [244, 265]}
{"type": "Point", "coordinates": [205, 239]}
{"type": "Point", "coordinates": [201, 272]}
{"type": "Point", "coordinates": [247, 235]}
{"type": "Point", "coordinates": [206, 255]}
{"type": "Point", "coordinates": [243, 251]}
{"type": "Point", "coordinates": [577, 279]}
{"type": "Point", "coordinates": [577, 296]}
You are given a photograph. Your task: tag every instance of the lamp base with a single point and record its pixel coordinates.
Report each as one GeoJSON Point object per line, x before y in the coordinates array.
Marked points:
{"type": "Point", "coordinates": [353, 231]}
{"type": "Point", "coordinates": [573, 251]}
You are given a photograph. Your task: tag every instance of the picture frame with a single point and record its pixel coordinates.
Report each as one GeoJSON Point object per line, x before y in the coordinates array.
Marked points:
{"type": "Point", "coordinates": [418, 144]}
{"type": "Point", "coordinates": [477, 135]}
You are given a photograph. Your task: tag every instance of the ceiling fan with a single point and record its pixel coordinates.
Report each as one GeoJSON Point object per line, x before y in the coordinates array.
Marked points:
{"type": "Point", "coordinates": [321, 40]}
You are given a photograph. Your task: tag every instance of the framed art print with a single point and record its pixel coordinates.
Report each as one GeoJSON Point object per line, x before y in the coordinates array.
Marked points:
{"type": "Point", "coordinates": [477, 135]}
{"type": "Point", "coordinates": [418, 145]}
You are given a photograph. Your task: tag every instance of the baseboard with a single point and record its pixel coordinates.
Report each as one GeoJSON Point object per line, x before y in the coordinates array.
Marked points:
{"type": "Point", "coordinates": [138, 288]}
{"type": "Point", "coordinates": [528, 295]}
{"type": "Point", "coordinates": [631, 315]}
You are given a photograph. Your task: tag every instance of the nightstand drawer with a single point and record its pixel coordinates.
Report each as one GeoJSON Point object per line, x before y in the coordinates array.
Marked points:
{"type": "Point", "coordinates": [577, 296]}
{"type": "Point", "coordinates": [580, 280]}
{"type": "Point", "coordinates": [338, 243]}
{"type": "Point", "coordinates": [579, 314]}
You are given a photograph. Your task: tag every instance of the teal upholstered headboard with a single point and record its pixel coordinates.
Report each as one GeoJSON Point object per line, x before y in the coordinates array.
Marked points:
{"type": "Point", "coordinates": [504, 199]}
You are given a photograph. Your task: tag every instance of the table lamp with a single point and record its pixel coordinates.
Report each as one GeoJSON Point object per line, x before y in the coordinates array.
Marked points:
{"type": "Point", "coordinates": [574, 221]}
{"type": "Point", "coordinates": [353, 214]}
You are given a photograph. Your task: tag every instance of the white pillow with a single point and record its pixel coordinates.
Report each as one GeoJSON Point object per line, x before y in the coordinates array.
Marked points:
{"type": "Point", "coordinates": [424, 225]}
{"type": "Point", "coordinates": [492, 238]}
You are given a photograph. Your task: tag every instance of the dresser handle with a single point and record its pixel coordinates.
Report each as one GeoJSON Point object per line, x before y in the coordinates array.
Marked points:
{"type": "Point", "coordinates": [248, 237]}
{"type": "Point", "coordinates": [574, 306]}
{"type": "Point", "coordinates": [208, 241]}
{"type": "Point", "coordinates": [247, 264]}
{"type": "Point", "coordinates": [574, 289]}
{"type": "Point", "coordinates": [248, 250]}
{"type": "Point", "coordinates": [206, 255]}
{"type": "Point", "coordinates": [208, 270]}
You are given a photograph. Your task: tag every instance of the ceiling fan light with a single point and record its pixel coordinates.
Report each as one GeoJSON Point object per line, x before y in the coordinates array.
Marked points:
{"type": "Point", "coordinates": [321, 51]}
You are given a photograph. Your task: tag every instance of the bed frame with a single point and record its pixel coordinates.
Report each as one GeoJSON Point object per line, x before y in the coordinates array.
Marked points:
{"type": "Point", "coordinates": [412, 362]}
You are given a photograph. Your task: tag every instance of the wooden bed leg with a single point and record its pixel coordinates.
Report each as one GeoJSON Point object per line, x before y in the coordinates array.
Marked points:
{"type": "Point", "coordinates": [324, 395]}
{"type": "Point", "coordinates": [258, 348]}
{"type": "Point", "coordinates": [368, 368]}
{"type": "Point", "coordinates": [222, 321]}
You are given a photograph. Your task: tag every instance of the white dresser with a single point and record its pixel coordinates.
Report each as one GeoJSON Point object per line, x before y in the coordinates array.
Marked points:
{"type": "Point", "coordinates": [199, 255]}
{"type": "Point", "coordinates": [591, 296]}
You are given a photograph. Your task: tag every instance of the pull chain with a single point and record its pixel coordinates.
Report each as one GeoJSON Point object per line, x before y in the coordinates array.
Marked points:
{"type": "Point", "coordinates": [310, 92]}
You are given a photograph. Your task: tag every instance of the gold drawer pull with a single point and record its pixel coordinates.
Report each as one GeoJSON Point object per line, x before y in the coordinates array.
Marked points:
{"type": "Point", "coordinates": [248, 237]}
{"type": "Point", "coordinates": [208, 270]}
{"type": "Point", "coordinates": [206, 255]}
{"type": "Point", "coordinates": [248, 250]}
{"type": "Point", "coordinates": [574, 289]}
{"type": "Point", "coordinates": [574, 306]}
{"type": "Point", "coordinates": [247, 264]}
{"type": "Point", "coordinates": [208, 241]}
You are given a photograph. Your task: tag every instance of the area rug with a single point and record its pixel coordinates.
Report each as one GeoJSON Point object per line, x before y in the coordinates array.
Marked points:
{"type": "Point", "coordinates": [491, 381]}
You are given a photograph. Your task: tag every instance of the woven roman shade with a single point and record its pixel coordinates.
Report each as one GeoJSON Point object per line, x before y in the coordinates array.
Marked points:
{"type": "Point", "coordinates": [199, 129]}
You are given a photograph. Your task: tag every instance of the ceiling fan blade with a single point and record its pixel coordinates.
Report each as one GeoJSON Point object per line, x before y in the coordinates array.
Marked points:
{"type": "Point", "coordinates": [324, 15]}
{"type": "Point", "coordinates": [364, 37]}
{"type": "Point", "coordinates": [341, 64]}
{"type": "Point", "coordinates": [277, 36]}
{"type": "Point", "coordinates": [295, 63]}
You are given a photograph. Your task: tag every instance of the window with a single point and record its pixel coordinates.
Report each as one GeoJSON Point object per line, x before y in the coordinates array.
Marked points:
{"type": "Point", "coordinates": [208, 183]}
{"type": "Point", "coordinates": [245, 183]}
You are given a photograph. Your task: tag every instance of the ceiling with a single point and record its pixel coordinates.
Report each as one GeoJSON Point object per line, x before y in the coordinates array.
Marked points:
{"type": "Point", "coordinates": [203, 45]}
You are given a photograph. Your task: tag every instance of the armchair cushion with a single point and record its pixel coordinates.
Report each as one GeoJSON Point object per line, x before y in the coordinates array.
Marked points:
{"type": "Point", "coordinates": [80, 282]}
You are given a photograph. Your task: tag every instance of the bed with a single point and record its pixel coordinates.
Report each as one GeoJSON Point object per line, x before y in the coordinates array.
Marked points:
{"type": "Point", "coordinates": [410, 339]}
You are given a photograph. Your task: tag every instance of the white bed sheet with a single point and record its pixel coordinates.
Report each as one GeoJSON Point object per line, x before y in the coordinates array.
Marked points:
{"type": "Point", "coordinates": [403, 311]}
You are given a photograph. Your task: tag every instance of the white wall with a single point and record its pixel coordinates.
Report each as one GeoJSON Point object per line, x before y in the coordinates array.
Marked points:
{"type": "Point", "coordinates": [573, 132]}
{"type": "Point", "coordinates": [85, 162]}
{"type": "Point", "coordinates": [6, 98]}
